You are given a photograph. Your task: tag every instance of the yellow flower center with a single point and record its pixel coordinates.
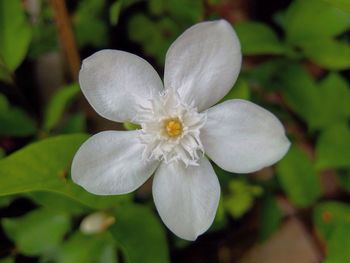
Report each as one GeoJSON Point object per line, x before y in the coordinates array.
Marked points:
{"type": "Point", "coordinates": [173, 127]}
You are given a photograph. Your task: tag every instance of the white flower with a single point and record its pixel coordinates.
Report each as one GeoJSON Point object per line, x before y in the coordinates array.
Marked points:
{"type": "Point", "coordinates": [179, 129]}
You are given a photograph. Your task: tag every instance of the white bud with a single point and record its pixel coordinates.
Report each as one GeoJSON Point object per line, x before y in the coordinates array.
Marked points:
{"type": "Point", "coordinates": [96, 223]}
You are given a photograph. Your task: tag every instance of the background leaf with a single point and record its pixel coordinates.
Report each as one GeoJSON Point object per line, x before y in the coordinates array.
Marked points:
{"type": "Point", "coordinates": [46, 227]}
{"type": "Point", "coordinates": [298, 178]}
{"type": "Point", "coordinates": [332, 221]}
{"type": "Point", "coordinates": [302, 20]}
{"type": "Point", "coordinates": [15, 33]}
{"type": "Point", "coordinates": [57, 105]}
{"type": "Point", "coordinates": [342, 4]}
{"type": "Point", "coordinates": [140, 234]}
{"type": "Point", "coordinates": [14, 121]}
{"type": "Point", "coordinates": [328, 53]}
{"type": "Point", "coordinates": [87, 249]}
{"type": "Point", "coordinates": [333, 147]}
{"type": "Point", "coordinates": [251, 33]}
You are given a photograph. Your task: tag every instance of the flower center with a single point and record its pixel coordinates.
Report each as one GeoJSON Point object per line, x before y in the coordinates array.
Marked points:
{"type": "Point", "coordinates": [170, 129]}
{"type": "Point", "coordinates": [173, 127]}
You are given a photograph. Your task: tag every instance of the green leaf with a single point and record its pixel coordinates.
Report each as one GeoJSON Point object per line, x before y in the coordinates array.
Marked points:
{"type": "Point", "coordinates": [44, 166]}
{"type": "Point", "coordinates": [140, 234]}
{"type": "Point", "coordinates": [338, 246]}
{"type": "Point", "coordinates": [89, 24]}
{"type": "Point", "coordinates": [302, 20]}
{"type": "Point", "coordinates": [4, 104]}
{"type": "Point", "coordinates": [44, 39]}
{"type": "Point", "coordinates": [239, 91]}
{"type": "Point", "coordinates": [157, 7]}
{"type": "Point", "coordinates": [7, 260]}
{"type": "Point", "coordinates": [341, 4]}
{"type": "Point", "coordinates": [15, 33]}
{"type": "Point", "coordinates": [241, 197]}
{"type": "Point", "coordinates": [154, 37]}
{"type": "Point", "coordinates": [335, 96]}
{"type": "Point", "coordinates": [184, 10]}
{"type": "Point", "coordinates": [298, 178]}
{"type": "Point", "coordinates": [87, 249]}
{"type": "Point", "coordinates": [57, 105]}
{"type": "Point", "coordinates": [332, 221]}
{"type": "Point", "coordinates": [5, 200]}
{"type": "Point", "coordinates": [257, 39]}
{"type": "Point", "coordinates": [5, 73]}
{"type": "Point", "coordinates": [344, 179]}
{"type": "Point", "coordinates": [14, 121]}
{"type": "Point", "coordinates": [328, 215]}
{"type": "Point", "coordinates": [37, 232]}
{"type": "Point", "coordinates": [2, 153]}
{"type": "Point", "coordinates": [321, 104]}
{"type": "Point", "coordinates": [300, 93]}
{"type": "Point", "coordinates": [57, 202]}
{"type": "Point", "coordinates": [75, 124]}
{"type": "Point", "coordinates": [333, 147]}
{"type": "Point", "coordinates": [270, 217]}
{"type": "Point", "coordinates": [114, 12]}
{"type": "Point", "coordinates": [328, 53]}
{"type": "Point", "coordinates": [266, 74]}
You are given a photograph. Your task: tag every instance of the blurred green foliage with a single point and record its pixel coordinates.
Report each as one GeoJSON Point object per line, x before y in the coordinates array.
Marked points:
{"type": "Point", "coordinates": [299, 72]}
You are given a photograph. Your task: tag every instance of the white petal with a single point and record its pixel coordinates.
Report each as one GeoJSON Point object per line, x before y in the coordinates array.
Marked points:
{"type": "Point", "coordinates": [110, 163]}
{"type": "Point", "coordinates": [113, 81]}
{"type": "Point", "coordinates": [186, 197]}
{"type": "Point", "coordinates": [203, 63]}
{"type": "Point", "coordinates": [242, 137]}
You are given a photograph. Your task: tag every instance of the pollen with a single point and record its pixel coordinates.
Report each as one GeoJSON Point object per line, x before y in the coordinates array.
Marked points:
{"type": "Point", "coordinates": [173, 127]}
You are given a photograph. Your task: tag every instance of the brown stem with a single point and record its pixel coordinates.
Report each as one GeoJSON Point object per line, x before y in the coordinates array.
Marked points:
{"type": "Point", "coordinates": [66, 36]}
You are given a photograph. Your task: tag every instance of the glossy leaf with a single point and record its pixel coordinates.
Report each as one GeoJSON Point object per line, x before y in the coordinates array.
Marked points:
{"type": "Point", "coordinates": [57, 202]}
{"type": "Point", "coordinates": [44, 166]}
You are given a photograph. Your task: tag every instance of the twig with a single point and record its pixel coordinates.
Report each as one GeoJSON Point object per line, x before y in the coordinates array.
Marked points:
{"type": "Point", "coordinates": [66, 36]}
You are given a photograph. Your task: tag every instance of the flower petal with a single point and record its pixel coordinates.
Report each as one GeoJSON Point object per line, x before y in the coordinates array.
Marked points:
{"type": "Point", "coordinates": [203, 63]}
{"type": "Point", "coordinates": [110, 163]}
{"type": "Point", "coordinates": [242, 137]}
{"type": "Point", "coordinates": [186, 197]}
{"type": "Point", "coordinates": [113, 81]}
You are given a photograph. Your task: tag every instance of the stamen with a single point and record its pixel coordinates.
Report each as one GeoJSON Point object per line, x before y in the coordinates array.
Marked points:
{"type": "Point", "coordinates": [170, 129]}
{"type": "Point", "coordinates": [173, 127]}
